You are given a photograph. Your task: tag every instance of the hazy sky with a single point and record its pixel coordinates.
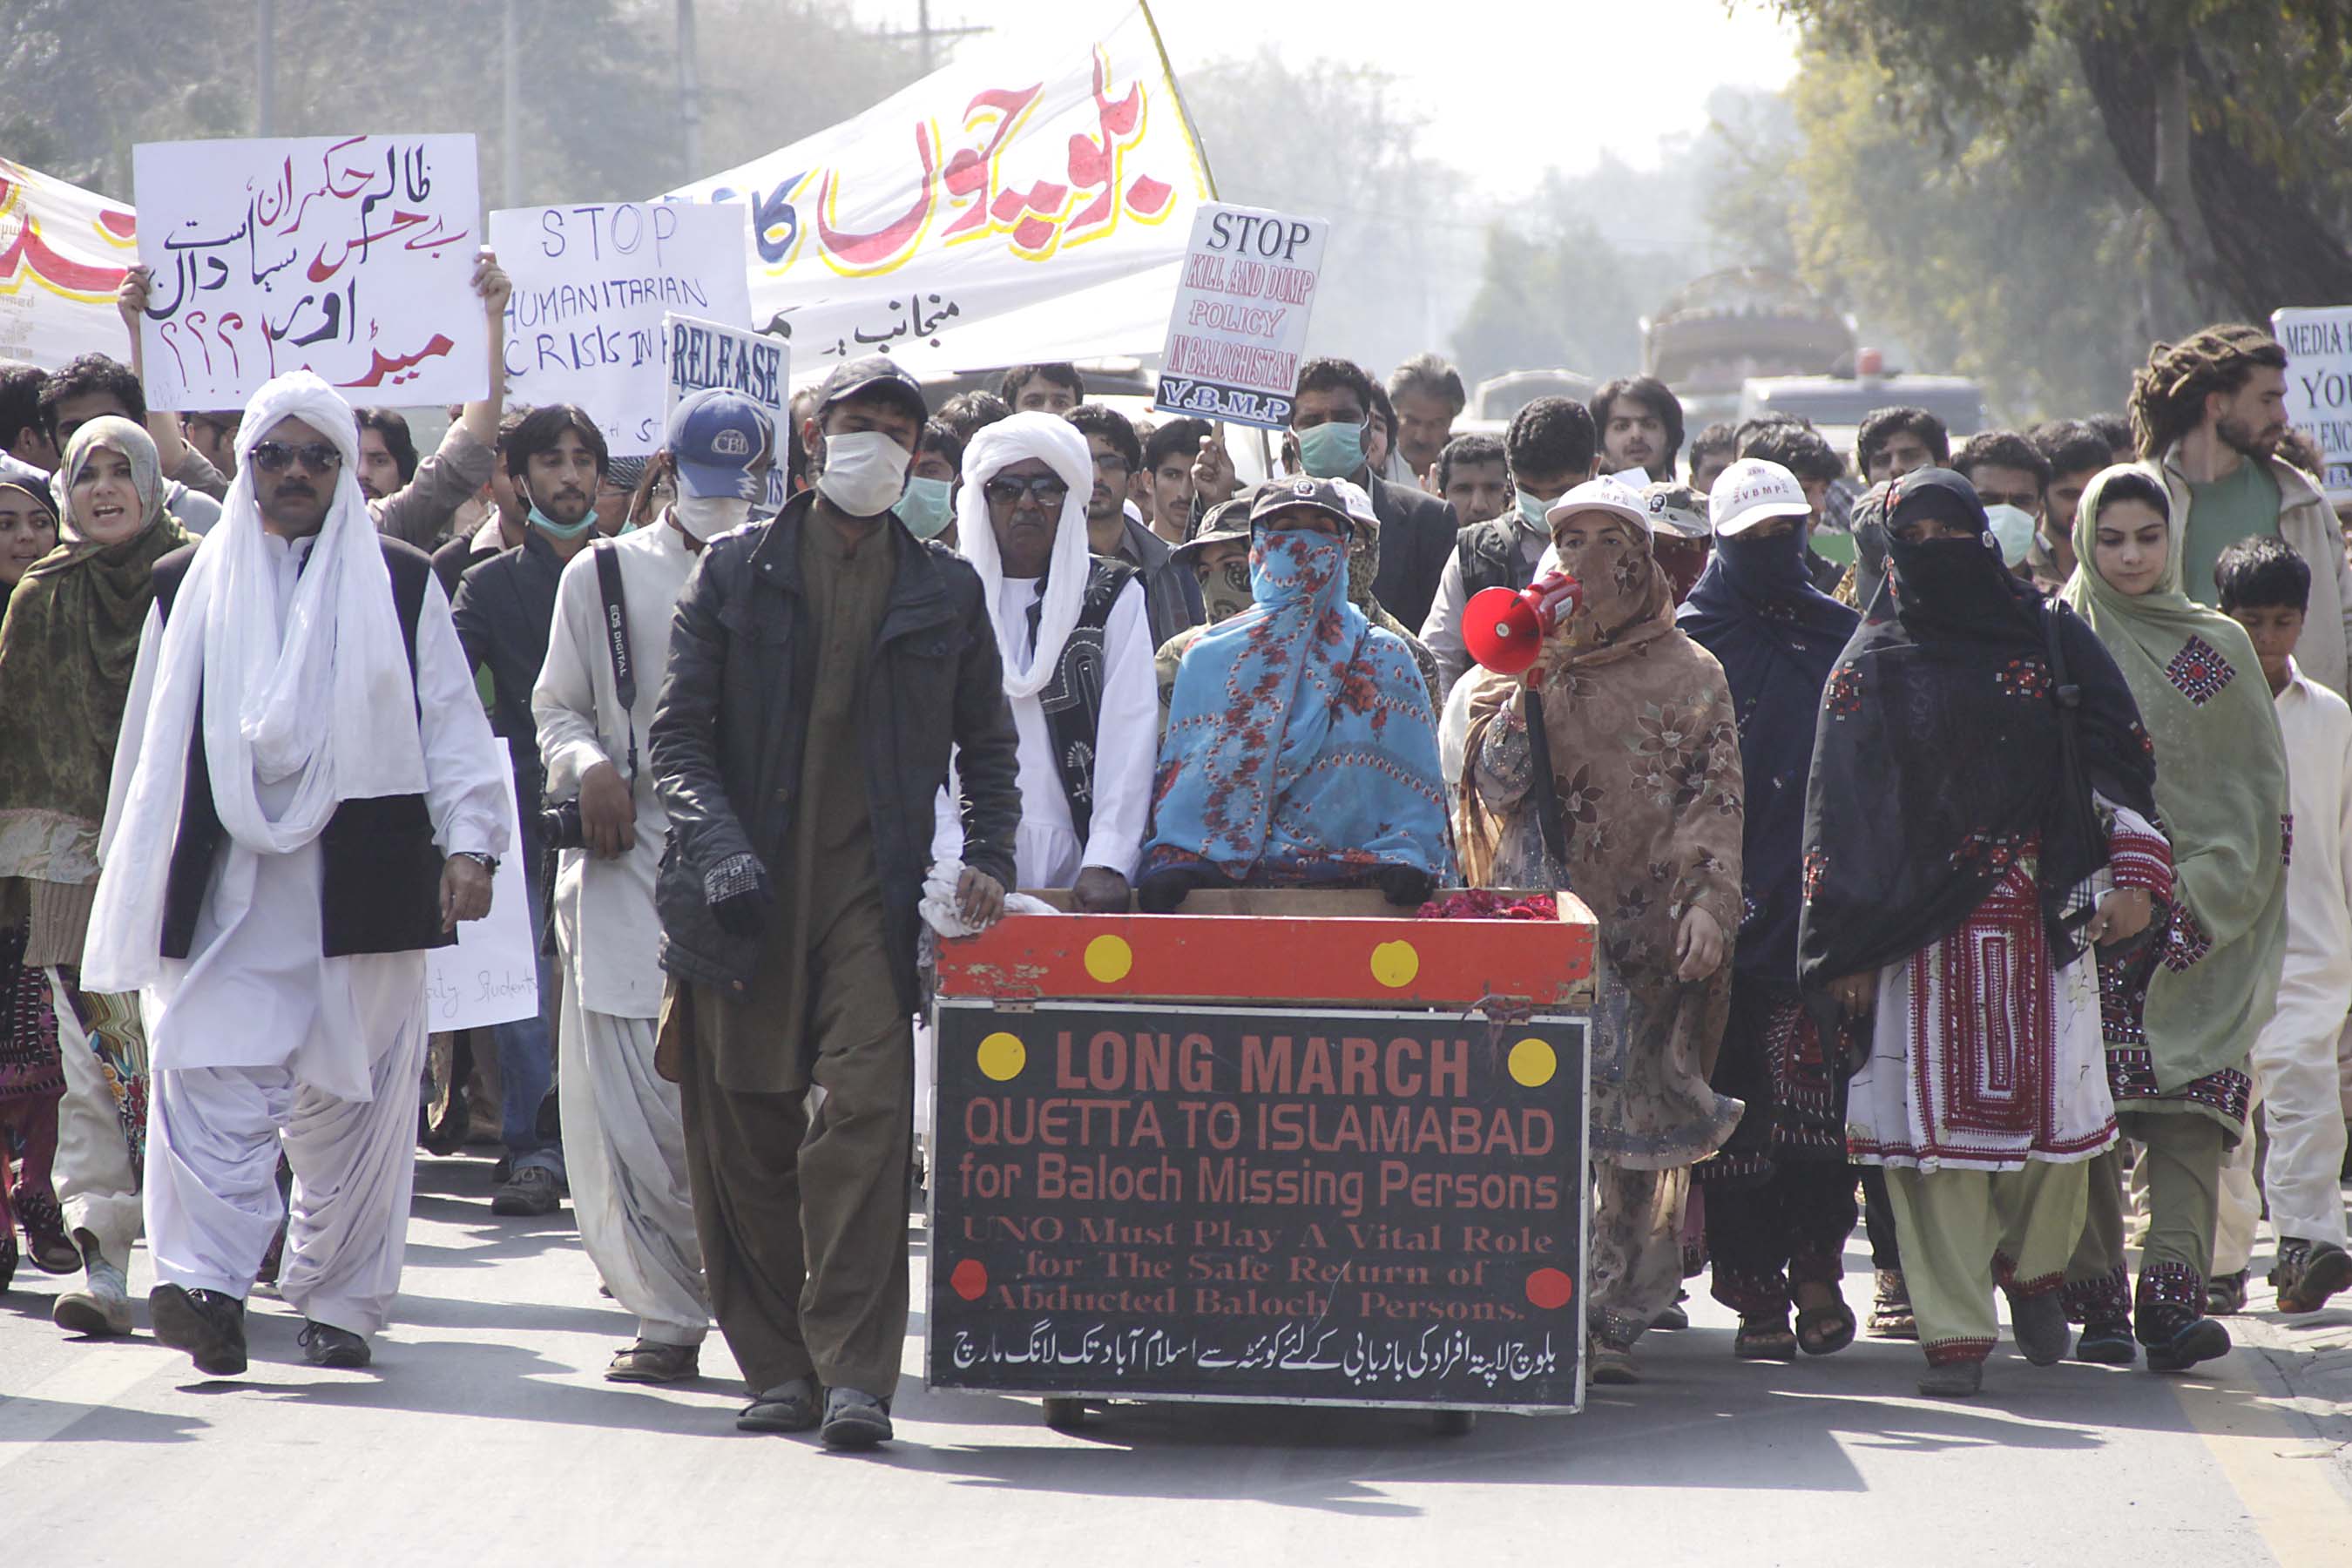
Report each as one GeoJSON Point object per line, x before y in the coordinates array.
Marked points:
{"type": "Point", "coordinates": [1508, 88]}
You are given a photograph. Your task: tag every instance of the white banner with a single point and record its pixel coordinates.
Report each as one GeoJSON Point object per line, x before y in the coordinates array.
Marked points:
{"type": "Point", "coordinates": [704, 354]}
{"type": "Point", "coordinates": [1239, 327]}
{"type": "Point", "coordinates": [1029, 202]}
{"type": "Point", "coordinates": [491, 976]}
{"type": "Point", "coordinates": [592, 282]}
{"type": "Point", "coordinates": [349, 256]}
{"type": "Point", "coordinates": [63, 251]}
{"type": "Point", "coordinates": [2318, 342]}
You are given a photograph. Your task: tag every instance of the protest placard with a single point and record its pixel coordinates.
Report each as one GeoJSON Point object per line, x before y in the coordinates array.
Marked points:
{"type": "Point", "coordinates": [1239, 328]}
{"type": "Point", "coordinates": [704, 354]}
{"type": "Point", "coordinates": [591, 283]}
{"type": "Point", "coordinates": [1029, 201]}
{"type": "Point", "coordinates": [62, 254]}
{"type": "Point", "coordinates": [491, 976]}
{"type": "Point", "coordinates": [349, 256]}
{"type": "Point", "coordinates": [2318, 342]}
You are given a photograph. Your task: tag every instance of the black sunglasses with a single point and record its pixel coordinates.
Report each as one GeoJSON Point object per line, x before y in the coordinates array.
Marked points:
{"type": "Point", "coordinates": [1046, 489]}
{"type": "Point", "coordinates": [273, 457]}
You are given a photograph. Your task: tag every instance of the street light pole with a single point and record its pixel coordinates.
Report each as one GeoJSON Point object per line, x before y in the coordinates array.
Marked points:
{"type": "Point", "coordinates": [265, 68]}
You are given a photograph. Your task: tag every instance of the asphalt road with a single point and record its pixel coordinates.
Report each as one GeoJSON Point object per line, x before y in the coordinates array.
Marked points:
{"type": "Point", "coordinates": [484, 1432]}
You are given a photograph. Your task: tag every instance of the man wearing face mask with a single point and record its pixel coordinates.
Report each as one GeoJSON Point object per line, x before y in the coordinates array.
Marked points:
{"type": "Point", "coordinates": [1550, 449]}
{"type": "Point", "coordinates": [822, 669]}
{"type": "Point", "coordinates": [1078, 662]}
{"type": "Point", "coordinates": [928, 509]}
{"type": "Point", "coordinates": [1327, 419]}
{"type": "Point", "coordinates": [624, 1133]}
{"type": "Point", "coordinates": [504, 610]}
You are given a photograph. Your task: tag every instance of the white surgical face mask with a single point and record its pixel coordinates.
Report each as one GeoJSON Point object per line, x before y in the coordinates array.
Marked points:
{"type": "Point", "coordinates": [708, 517]}
{"type": "Point", "coordinates": [864, 472]}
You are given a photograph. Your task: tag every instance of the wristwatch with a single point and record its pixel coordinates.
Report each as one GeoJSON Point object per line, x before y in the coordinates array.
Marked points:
{"type": "Point", "coordinates": [488, 862]}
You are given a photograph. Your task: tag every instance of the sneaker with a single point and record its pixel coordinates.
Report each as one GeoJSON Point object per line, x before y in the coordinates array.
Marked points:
{"type": "Point", "coordinates": [101, 1308]}
{"type": "Point", "coordinates": [1611, 1365]}
{"type": "Point", "coordinates": [529, 1191]}
{"type": "Point", "coordinates": [2308, 1273]}
{"type": "Point", "coordinates": [207, 1324]}
{"type": "Point", "coordinates": [650, 1361]}
{"type": "Point", "coordinates": [2108, 1343]}
{"type": "Point", "coordinates": [2200, 1339]}
{"type": "Point", "coordinates": [854, 1420]}
{"type": "Point", "coordinates": [2225, 1294]}
{"type": "Point", "coordinates": [1891, 1317]}
{"type": "Point", "coordinates": [323, 1344]}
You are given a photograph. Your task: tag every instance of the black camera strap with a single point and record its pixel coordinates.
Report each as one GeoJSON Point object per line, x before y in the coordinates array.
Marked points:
{"type": "Point", "coordinates": [616, 643]}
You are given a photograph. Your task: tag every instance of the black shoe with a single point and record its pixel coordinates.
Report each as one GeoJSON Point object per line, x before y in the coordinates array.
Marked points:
{"type": "Point", "coordinates": [787, 1407]}
{"type": "Point", "coordinates": [323, 1344]}
{"type": "Point", "coordinates": [2039, 1325]}
{"type": "Point", "coordinates": [2107, 1344]}
{"type": "Point", "coordinates": [7, 1258]}
{"type": "Point", "coordinates": [531, 1191]}
{"type": "Point", "coordinates": [854, 1420]}
{"type": "Point", "coordinates": [2202, 1339]}
{"type": "Point", "coordinates": [207, 1324]}
{"type": "Point", "coordinates": [2225, 1294]}
{"type": "Point", "coordinates": [2308, 1273]}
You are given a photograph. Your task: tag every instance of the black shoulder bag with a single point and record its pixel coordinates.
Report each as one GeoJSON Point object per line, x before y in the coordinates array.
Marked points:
{"type": "Point", "coordinates": [616, 643]}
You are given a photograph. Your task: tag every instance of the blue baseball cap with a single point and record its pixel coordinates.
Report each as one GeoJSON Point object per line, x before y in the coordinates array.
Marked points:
{"type": "Point", "coordinates": [714, 437]}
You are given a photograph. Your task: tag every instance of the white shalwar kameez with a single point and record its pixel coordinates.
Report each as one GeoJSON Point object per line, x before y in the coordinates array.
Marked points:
{"type": "Point", "coordinates": [2294, 1056]}
{"type": "Point", "coordinates": [1048, 850]}
{"type": "Point", "coordinates": [623, 1132]}
{"type": "Point", "coordinates": [257, 1040]}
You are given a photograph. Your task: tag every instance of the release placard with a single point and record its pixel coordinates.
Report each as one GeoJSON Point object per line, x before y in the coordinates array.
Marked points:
{"type": "Point", "coordinates": [1249, 1203]}
{"type": "Point", "coordinates": [1238, 332]}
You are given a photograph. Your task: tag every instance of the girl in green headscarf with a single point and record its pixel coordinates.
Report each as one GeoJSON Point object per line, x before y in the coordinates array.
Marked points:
{"type": "Point", "coordinates": [67, 651]}
{"type": "Point", "coordinates": [2181, 1013]}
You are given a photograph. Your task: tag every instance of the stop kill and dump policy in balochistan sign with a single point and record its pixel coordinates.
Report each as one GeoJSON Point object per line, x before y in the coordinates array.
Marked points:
{"type": "Point", "coordinates": [1239, 325]}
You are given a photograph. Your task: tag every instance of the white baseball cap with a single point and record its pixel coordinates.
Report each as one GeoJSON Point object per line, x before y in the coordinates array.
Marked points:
{"type": "Point", "coordinates": [1751, 492]}
{"type": "Point", "coordinates": [1607, 494]}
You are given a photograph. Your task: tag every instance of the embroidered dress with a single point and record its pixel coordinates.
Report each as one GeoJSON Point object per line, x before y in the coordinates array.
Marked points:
{"type": "Point", "coordinates": [1982, 1056]}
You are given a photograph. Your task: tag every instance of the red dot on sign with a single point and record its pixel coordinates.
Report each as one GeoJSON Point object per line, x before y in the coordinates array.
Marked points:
{"type": "Point", "coordinates": [1546, 1288]}
{"type": "Point", "coordinates": [969, 1279]}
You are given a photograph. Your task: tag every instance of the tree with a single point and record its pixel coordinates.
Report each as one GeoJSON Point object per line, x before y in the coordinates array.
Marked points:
{"type": "Point", "coordinates": [2019, 254]}
{"type": "Point", "coordinates": [1561, 296]}
{"type": "Point", "coordinates": [2225, 116]}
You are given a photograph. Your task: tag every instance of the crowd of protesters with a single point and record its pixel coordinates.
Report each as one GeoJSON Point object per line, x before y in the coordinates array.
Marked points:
{"type": "Point", "coordinates": [1936, 808]}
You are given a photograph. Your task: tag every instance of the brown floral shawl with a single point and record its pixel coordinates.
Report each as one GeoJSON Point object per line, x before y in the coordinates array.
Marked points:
{"type": "Point", "coordinates": [1645, 759]}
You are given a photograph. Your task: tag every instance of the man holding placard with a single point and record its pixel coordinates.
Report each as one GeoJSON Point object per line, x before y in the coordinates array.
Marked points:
{"type": "Point", "coordinates": [278, 908]}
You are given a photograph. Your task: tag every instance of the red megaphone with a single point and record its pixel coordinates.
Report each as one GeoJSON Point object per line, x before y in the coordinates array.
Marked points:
{"type": "Point", "coordinates": [1503, 631]}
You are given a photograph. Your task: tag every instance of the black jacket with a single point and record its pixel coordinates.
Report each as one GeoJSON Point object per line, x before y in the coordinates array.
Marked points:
{"type": "Point", "coordinates": [380, 870]}
{"type": "Point", "coordinates": [504, 610]}
{"type": "Point", "coordinates": [1417, 531]}
{"type": "Point", "coordinates": [725, 745]}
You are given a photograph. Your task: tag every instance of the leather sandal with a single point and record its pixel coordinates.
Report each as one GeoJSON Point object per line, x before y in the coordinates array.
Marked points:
{"type": "Point", "coordinates": [787, 1407]}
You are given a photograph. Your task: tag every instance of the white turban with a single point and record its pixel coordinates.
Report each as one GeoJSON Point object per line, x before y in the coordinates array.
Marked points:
{"type": "Point", "coordinates": [327, 701]}
{"type": "Point", "coordinates": [995, 448]}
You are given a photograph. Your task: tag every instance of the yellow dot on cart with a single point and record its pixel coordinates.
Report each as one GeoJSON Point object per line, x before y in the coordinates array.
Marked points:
{"type": "Point", "coordinates": [1109, 958]}
{"type": "Point", "coordinates": [1394, 965]}
{"type": "Point", "coordinates": [1533, 1063]}
{"type": "Point", "coordinates": [1003, 1055]}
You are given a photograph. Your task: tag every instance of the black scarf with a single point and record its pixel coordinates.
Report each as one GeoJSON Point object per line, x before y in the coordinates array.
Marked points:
{"type": "Point", "coordinates": [1940, 755]}
{"type": "Point", "coordinates": [1776, 636]}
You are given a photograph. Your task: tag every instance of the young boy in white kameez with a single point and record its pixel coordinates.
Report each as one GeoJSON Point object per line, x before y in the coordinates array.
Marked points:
{"type": "Point", "coordinates": [2264, 587]}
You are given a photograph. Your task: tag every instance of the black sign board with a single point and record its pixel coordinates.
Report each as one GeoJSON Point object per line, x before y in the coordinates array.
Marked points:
{"type": "Point", "coordinates": [1269, 1205]}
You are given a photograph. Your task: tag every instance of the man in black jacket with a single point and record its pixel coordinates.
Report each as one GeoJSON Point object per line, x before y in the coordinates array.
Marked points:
{"type": "Point", "coordinates": [821, 668]}
{"type": "Point", "coordinates": [1327, 420]}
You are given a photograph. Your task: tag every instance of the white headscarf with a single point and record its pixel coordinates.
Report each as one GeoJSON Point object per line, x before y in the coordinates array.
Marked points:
{"type": "Point", "coordinates": [996, 447]}
{"type": "Point", "coordinates": [329, 704]}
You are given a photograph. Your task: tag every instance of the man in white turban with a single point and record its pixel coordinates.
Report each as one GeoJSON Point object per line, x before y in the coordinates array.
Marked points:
{"type": "Point", "coordinates": [1077, 663]}
{"type": "Point", "coordinates": [306, 797]}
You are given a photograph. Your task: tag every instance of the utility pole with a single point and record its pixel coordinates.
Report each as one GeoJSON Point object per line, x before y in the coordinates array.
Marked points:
{"type": "Point", "coordinates": [265, 68]}
{"type": "Point", "coordinates": [511, 126]}
{"type": "Point", "coordinates": [690, 99]}
{"type": "Point", "coordinates": [923, 33]}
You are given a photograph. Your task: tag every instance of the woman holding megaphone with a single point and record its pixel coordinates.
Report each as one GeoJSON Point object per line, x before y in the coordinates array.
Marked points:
{"type": "Point", "coordinates": [1642, 756]}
